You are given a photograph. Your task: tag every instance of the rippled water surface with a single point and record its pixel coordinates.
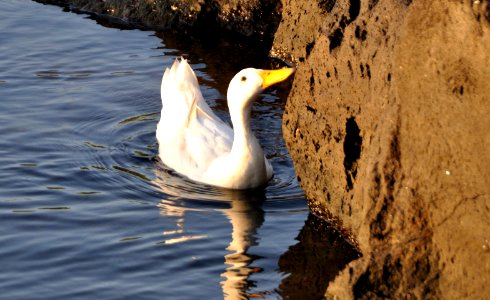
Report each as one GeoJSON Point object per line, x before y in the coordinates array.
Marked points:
{"type": "Point", "coordinates": [86, 209]}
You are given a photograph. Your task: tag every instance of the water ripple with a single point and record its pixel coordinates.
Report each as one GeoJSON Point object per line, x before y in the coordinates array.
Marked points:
{"type": "Point", "coordinates": [85, 202]}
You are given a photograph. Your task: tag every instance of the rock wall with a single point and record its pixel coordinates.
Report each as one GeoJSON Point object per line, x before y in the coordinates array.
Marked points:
{"type": "Point", "coordinates": [252, 20]}
{"type": "Point", "coordinates": [388, 125]}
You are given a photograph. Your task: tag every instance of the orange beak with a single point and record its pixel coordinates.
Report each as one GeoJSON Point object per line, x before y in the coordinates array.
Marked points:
{"type": "Point", "coordinates": [271, 77]}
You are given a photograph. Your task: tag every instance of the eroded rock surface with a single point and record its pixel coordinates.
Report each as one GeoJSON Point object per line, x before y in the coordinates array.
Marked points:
{"type": "Point", "coordinates": [388, 125]}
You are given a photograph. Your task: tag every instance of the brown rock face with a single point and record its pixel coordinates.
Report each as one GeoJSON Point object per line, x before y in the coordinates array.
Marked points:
{"type": "Point", "coordinates": [388, 123]}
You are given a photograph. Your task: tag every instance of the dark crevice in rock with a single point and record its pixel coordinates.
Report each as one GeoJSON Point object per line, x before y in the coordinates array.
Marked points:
{"type": "Point", "coordinates": [344, 21]}
{"type": "Point", "coordinates": [309, 47]}
{"type": "Point", "coordinates": [395, 146]}
{"type": "Point", "coordinates": [352, 151]}
{"type": "Point", "coordinates": [336, 39]}
{"type": "Point", "coordinates": [354, 9]}
{"type": "Point", "coordinates": [311, 109]}
{"type": "Point", "coordinates": [487, 11]}
{"type": "Point", "coordinates": [372, 4]}
{"type": "Point", "coordinates": [317, 147]}
{"type": "Point", "coordinates": [378, 226]}
{"type": "Point", "coordinates": [349, 65]}
{"type": "Point", "coordinates": [453, 210]}
{"type": "Point", "coordinates": [360, 34]}
{"type": "Point", "coordinates": [338, 34]}
{"type": "Point", "coordinates": [326, 5]}
{"type": "Point", "coordinates": [312, 82]}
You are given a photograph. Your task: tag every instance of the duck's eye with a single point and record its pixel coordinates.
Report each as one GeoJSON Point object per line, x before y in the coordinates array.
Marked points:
{"type": "Point", "coordinates": [244, 78]}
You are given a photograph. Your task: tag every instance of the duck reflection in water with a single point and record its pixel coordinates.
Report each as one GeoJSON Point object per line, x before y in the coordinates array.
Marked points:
{"type": "Point", "coordinates": [246, 216]}
{"type": "Point", "coordinates": [320, 253]}
{"type": "Point", "coordinates": [242, 208]}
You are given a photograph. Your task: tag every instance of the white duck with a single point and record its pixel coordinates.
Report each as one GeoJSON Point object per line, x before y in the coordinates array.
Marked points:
{"type": "Point", "coordinates": [198, 144]}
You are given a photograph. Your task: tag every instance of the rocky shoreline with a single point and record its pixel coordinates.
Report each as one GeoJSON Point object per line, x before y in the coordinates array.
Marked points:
{"type": "Point", "coordinates": [387, 123]}
{"type": "Point", "coordinates": [251, 21]}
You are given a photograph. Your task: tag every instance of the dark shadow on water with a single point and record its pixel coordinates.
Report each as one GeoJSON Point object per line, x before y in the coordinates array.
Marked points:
{"type": "Point", "coordinates": [207, 28]}
{"type": "Point", "coordinates": [318, 257]}
{"type": "Point", "coordinates": [322, 252]}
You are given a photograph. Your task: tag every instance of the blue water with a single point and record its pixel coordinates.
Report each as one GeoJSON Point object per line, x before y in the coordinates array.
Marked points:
{"type": "Point", "coordinates": [87, 211]}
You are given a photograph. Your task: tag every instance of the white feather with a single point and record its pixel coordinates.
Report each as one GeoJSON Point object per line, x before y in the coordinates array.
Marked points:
{"type": "Point", "coordinates": [198, 144]}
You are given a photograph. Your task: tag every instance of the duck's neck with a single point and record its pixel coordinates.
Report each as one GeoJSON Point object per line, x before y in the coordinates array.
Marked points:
{"type": "Point", "coordinates": [244, 139]}
{"type": "Point", "coordinates": [246, 158]}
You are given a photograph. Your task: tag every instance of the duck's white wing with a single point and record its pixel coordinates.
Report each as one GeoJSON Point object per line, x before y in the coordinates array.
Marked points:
{"type": "Point", "coordinates": [190, 135]}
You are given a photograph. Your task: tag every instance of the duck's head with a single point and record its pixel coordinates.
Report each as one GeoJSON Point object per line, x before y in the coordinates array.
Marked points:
{"type": "Point", "coordinates": [248, 83]}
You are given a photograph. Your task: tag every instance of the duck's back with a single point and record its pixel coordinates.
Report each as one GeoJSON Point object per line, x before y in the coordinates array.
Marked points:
{"type": "Point", "coordinates": [189, 134]}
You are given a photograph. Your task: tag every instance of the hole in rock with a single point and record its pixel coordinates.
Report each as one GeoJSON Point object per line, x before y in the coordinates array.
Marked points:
{"type": "Point", "coordinates": [309, 47]}
{"type": "Point", "coordinates": [336, 39]}
{"type": "Point", "coordinates": [326, 5]}
{"type": "Point", "coordinates": [352, 150]}
{"type": "Point", "coordinates": [354, 9]}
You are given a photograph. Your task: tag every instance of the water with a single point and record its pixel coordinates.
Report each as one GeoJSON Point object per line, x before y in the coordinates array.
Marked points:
{"type": "Point", "coordinates": [86, 208]}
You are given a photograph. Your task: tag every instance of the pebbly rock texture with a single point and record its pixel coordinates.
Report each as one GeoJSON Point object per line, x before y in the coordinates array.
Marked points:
{"type": "Point", "coordinates": [255, 20]}
{"type": "Point", "coordinates": [388, 123]}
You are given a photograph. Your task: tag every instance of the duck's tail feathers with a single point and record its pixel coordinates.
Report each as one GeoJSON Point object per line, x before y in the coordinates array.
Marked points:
{"type": "Point", "coordinates": [179, 90]}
